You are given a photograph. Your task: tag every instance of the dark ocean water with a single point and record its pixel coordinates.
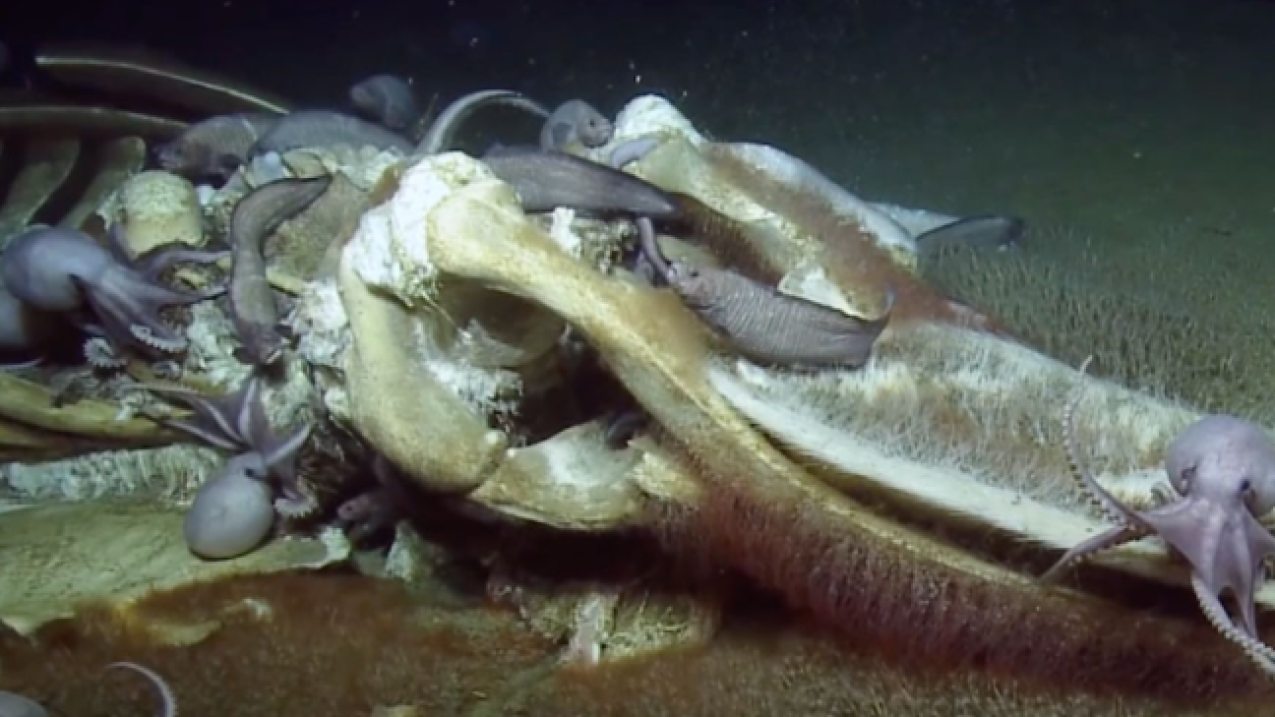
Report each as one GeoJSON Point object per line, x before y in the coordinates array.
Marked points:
{"type": "Point", "coordinates": [854, 83]}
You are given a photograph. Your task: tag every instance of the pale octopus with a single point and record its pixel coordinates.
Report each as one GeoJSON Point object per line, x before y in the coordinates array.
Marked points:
{"type": "Point", "coordinates": [111, 295]}
{"type": "Point", "coordinates": [1222, 469]}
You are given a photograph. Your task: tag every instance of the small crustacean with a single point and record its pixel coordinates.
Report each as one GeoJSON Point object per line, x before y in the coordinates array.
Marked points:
{"type": "Point", "coordinates": [1223, 469]}
{"type": "Point", "coordinates": [232, 511]}
{"type": "Point", "coordinates": [61, 270]}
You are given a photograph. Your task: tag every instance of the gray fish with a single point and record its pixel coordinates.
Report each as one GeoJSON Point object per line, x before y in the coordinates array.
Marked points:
{"type": "Point", "coordinates": [762, 324]}
{"type": "Point", "coordinates": [388, 99]}
{"type": "Point", "coordinates": [986, 231]}
{"type": "Point", "coordinates": [215, 147]}
{"type": "Point", "coordinates": [575, 121]}
{"type": "Point", "coordinates": [252, 303]}
{"type": "Point", "coordinates": [322, 128]}
{"type": "Point", "coordinates": [546, 180]}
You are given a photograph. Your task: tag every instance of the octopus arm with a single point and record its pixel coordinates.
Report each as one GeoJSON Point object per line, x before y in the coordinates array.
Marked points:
{"type": "Point", "coordinates": [1261, 654]}
{"type": "Point", "coordinates": [1098, 543]}
{"type": "Point", "coordinates": [1260, 545]}
{"type": "Point", "coordinates": [218, 420]}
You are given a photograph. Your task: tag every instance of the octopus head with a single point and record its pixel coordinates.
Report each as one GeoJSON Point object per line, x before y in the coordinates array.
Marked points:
{"type": "Point", "coordinates": [1224, 469]}
{"type": "Point", "coordinates": [61, 270]}
{"type": "Point", "coordinates": [1225, 460]}
{"type": "Point", "coordinates": [232, 512]}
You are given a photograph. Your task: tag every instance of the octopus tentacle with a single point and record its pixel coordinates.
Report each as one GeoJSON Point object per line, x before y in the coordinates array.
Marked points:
{"type": "Point", "coordinates": [238, 422]}
{"type": "Point", "coordinates": [1260, 653]}
{"type": "Point", "coordinates": [168, 703]}
{"type": "Point", "coordinates": [156, 263]}
{"type": "Point", "coordinates": [251, 423]}
{"type": "Point", "coordinates": [119, 316]}
{"type": "Point", "coordinates": [117, 244]}
{"type": "Point", "coordinates": [1089, 486]}
{"type": "Point", "coordinates": [280, 455]}
{"type": "Point", "coordinates": [1262, 546]}
{"type": "Point", "coordinates": [1196, 528]}
{"type": "Point", "coordinates": [99, 354]}
{"type": "Point", "coordinates": [123, 300]}
{"type": "Point", "coordinates": [150, 337]}
{"type": "Point", "coordinates": [295, 503]}
{"type": "Point", "coordinates": [215, 420]}
{"type": "Point", "coordinates": [632, 150]}
{"type": "Point", "coordinates": [156, 296]}
{"type": "Point", "coordinates": [153, 263]}
{"type": "Point", "coordinates": [1098, 543]}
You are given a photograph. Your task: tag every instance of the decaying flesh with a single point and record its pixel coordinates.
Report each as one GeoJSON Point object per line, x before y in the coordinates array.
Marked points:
{"type": "Point", "coordinates": [252, 301]}
{"type": "Point", "coordinates": [855, 569]}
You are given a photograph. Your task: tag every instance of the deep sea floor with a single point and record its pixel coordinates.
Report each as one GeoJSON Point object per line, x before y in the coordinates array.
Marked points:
{"type": "Point", "coordinates": [339, 644]}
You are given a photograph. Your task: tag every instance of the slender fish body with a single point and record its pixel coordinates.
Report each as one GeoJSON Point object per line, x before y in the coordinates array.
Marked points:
{"type": "Point", "coordinates": [988, 231]}
{"type": "Point", "coordinates": [252, 302]}
{"type": "Point", "coordinates": [322, 128]}
{"type": "Point", "coordinates": [546, 180]}
{"type": "Point", "coordinates": [759, 322]}
{"type": "Point", "coordinates": [216, 146]}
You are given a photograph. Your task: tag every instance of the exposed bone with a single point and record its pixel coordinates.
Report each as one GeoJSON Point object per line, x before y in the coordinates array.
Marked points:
{"type": "Point", "coordinates": [46, 163]}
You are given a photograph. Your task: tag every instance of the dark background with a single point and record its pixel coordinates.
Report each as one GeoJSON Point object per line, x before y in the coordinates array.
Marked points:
{"type": "Point", "coordinates": [740, 62]}
{"type": "Point", "coordinates": [977, 86]}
